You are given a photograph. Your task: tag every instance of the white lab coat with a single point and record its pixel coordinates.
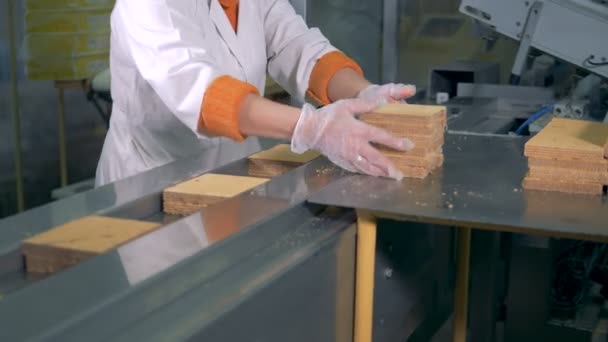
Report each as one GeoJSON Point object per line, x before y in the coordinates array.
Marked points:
{"type": "Point", "coordinates": [164, 55]}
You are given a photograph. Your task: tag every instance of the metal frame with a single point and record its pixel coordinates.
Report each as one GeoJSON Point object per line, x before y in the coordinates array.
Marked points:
{"type": "Point", "coordinates": [265, 238]}
{"type": "Point", "coordinates": [571, 30]}
{"type": "Point", "coordinates": [265, 227]}
{"type": "Point", "coordinates": [97, 300]}
{"type": "Point", "coordinates": [478, 186]}
{"type": "Point", "coordinates": [526, 42]}
{"type": "Point", "coordinates": [490, 200]}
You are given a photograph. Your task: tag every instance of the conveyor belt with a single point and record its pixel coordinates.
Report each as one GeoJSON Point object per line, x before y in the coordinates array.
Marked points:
{"type": "Point", "coordinates": [137, 197]}
{"type": "Point", "coordinates": [260, 247]}
{"type": "Point", "coordinates": [180, 257]}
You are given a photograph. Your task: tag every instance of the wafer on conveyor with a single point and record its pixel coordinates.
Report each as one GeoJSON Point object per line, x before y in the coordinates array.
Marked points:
{"type": "Point", "coordinates": [197, 193]}
{"type": "Point", "coordinates": [78, 240]}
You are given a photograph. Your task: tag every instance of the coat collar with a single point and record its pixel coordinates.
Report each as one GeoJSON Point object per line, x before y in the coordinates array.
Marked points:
{"type": "Point", "coordinates": [225, 29]}
{"type": "Point", "coordinates": [229, 3]}
{"type": "Point", "coordinates": [239, 43]}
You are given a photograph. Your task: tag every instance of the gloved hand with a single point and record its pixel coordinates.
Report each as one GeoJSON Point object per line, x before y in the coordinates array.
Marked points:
{"type": "Point", "coordinates": [335, 132]}
{"type": "Point", "coordinates": [388, 93]}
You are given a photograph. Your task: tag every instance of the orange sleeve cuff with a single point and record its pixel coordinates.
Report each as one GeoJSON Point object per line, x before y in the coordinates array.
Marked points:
{"type": "Point", "coordinates": [219, 113]}
{"type": "Point", "coordinates": [324, 71]}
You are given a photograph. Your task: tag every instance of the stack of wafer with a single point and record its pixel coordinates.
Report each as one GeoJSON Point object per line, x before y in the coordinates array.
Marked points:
{"type": "Point", "coordinates": [193, 195]}
{"type": "Point", "coordinates": [568, 156]}
{"type": "Point", "coordinates": [423, 125]}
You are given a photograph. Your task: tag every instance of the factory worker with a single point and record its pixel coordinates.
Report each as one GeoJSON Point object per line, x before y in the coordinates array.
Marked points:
{"type": "Point", "coordinates": [188, 74]}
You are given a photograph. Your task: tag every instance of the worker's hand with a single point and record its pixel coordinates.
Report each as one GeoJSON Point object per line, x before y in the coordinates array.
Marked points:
{"type": "Point", "coordinates": [335, 132]}
{"type": "Point", "coordinates": [388, 93]}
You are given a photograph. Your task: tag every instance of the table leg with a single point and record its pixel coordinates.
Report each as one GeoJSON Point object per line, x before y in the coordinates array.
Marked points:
{"type": "Point", "coordinates": [63, 163]}
{"type": "Point", "coordinates": [364, 287]}
{"type": "Point", "coordinates": [346, 250]}
{"type": "Point", "coordinates": [461, 292]}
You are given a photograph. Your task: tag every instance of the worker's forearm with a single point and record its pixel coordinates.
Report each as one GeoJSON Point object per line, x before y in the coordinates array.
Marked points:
{"type": "Point", "coordinates": [345, 84]}
{"type": "Point", "coordinates": [264, 118]}
{"type": "Point", "coordinates": [261, 117]}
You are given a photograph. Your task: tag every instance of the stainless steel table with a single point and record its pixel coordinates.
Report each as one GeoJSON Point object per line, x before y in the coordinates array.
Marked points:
{"type": "Point", "coordinates": [479, 186]}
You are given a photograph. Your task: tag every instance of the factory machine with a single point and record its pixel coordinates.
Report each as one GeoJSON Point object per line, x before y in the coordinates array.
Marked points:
{"type": "Point", "coordinates": [278, 263]}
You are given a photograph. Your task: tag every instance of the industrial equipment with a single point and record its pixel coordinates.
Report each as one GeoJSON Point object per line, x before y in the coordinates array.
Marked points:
{"type": "Point", "coordinates": [283, 267]}
{"type": "Point", "coordinates": [278, 263]}
{"type": "Point", "coordinates": [571, 30]}
{"type": "Point", "coordinates": [269, 263]}
{"type": "Point", "coordinates": [550, 33]}
{"type": "Point", "coordinates": [562, 49]}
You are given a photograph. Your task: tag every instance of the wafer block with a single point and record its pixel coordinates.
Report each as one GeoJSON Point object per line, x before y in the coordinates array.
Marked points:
{"type": "Point", "coordinates": [409, 169]}
{"type": "Point", "coordinates": [569, 139]}
{"type": "Point", "coordinates": [414, 114]}
{"type": "Point", "coordinates": [424, 125]}
{"type": "Point", "coordinates": [590, 166]}
{"type": "Point", "coordinates": [78, 240]}
{"type": "Point", "coordinates": [399, 127]}
{"type": "Point", "coordinates": [545, 184]}
{"type": "Point", "coordinates": [568, 156]}
{"type": "Point", "coordinates": [194, 194]}
{"type": "Point", "coordinates": [430, 160]}
{"type": "Point", "coordinates": [568, 175]}
{"type": "Point", "coordinates": [420, 150]}
{"type": "Point", "coordinates": [436, 137]}
{"type": "Point", "coordinates": [277, 161]}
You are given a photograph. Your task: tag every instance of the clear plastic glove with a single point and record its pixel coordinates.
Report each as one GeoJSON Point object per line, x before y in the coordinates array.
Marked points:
{"type": "Point", "coordinates": [335, 132]}
{"type": "Point", "coordinates": [388, 93]}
